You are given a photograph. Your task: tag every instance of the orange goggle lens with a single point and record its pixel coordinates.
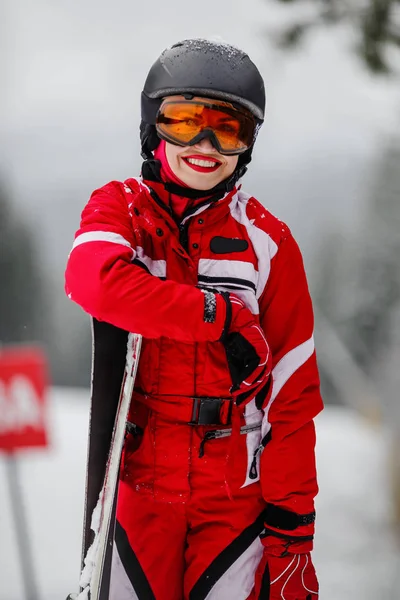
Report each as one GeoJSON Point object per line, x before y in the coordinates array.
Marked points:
{"type": "Point", "coordinates": [184, 122]}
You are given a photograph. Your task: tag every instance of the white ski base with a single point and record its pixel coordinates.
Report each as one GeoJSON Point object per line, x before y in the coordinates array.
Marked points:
{"type": "Point", "coordinates": [92, 573]}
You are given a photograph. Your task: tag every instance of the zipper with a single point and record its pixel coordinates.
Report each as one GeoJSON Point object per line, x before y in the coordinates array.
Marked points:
{"type": "Point", "coordinates": [221, 433]}
{"type": "Point", "coordinates": [189, 213]}
{"type": "Point", "coordinates": [184, 235]}
{"type": "Point", "coordinates": [253, 473]}
{"type": "Point", "coordinates": [183, 228]}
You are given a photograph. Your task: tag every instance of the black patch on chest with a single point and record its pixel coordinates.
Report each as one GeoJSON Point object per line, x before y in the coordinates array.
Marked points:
{"type": "Point", "coordinates": [224, 245]}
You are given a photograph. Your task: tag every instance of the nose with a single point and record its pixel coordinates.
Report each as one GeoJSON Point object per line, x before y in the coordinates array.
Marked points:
{"type": "Point", "coordinates": [205, 144]}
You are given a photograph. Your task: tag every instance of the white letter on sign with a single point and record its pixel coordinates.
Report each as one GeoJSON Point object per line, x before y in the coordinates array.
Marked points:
{"type": "Point", "coordinates": [26, 402]}
{"type": "Point", "coordinates": [19, 406]}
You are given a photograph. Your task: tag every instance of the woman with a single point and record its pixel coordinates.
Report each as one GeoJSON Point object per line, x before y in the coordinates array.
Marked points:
{"type": "Point", "coordinates": [218, 479]}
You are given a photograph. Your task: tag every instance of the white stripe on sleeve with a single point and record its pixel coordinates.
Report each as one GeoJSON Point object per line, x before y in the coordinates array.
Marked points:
{"type": "Point", "coordinates": [289, 364]}
{"type": "Point", "coordinates": [283, 371]}
{"type": "Point", "coordinates": [101, 236]}
{"type": "Point", "coordinates": [158, 268]}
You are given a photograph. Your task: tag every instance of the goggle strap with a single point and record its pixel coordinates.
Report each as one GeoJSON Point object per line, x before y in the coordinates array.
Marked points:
{"type": "Point", "coordinates": [149, 108]}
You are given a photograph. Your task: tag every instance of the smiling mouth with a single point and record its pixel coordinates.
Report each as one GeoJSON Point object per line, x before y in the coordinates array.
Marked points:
{"type": "Point", "coordinates": [203, 165]}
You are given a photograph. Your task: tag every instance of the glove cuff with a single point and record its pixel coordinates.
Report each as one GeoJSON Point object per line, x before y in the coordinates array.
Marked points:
{"type": "Point", "coordinates": [280, 547]}
{"type": "Point", "coordinates": [282, 519]}
{"type": "Point", "coordinates": [287, 532]}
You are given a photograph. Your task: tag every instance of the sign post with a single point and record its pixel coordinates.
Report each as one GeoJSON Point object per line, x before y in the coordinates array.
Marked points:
{"type": "Point", "coordinates": [23, 387]}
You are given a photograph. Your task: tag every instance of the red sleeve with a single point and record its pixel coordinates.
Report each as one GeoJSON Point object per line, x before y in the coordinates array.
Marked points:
{"type": "Point", "coordinates": [288, 471]}
{"type": "Point", "coordinates": [101, 278]}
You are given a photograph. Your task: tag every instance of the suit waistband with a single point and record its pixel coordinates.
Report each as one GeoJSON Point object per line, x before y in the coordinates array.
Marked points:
{"type": "Point", "coordinates": [189, 410]}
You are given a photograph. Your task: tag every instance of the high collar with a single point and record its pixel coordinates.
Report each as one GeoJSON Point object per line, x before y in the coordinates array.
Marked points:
{"type": "Point", "coordinates": [179, 203]}
{"type": "Point", "coordinates": [160, 198]}
{"type": "Point", "coordinates": [166, 172]}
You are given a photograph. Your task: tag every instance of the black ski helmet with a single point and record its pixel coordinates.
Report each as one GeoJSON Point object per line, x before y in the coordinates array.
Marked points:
{"type": "Point", "coordinates": [205, 68]}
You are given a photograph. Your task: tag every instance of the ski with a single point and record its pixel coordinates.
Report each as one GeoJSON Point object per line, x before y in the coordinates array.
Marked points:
{"type": "Point", "coordinates": [115, 360]}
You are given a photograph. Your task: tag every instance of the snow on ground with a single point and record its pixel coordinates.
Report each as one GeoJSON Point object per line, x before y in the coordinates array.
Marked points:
{"type": "Point", "coordinates": [356, 556]}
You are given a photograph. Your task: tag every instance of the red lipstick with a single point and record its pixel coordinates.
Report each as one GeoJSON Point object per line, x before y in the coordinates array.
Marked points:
{"type": "Point", "coordinates": [202, 157]}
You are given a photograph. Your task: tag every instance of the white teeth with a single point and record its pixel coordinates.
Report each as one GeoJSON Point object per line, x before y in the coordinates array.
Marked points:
{"type": "Point", "coordinates": [202, 163]}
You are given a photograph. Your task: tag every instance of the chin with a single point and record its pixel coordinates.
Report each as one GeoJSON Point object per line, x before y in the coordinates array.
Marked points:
{"type": "Point", "coordinates": [201, 184]}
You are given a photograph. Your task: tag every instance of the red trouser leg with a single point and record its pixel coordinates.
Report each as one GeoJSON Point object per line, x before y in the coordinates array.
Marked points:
{"type": "Point", "coordinates": [150, 543]}
{"type": "Point", "coordinates": [183, 533]}
{"type": "Point", "coordinates": [158, 557]}
{"type": "Point", "coordinates": [225, 520]}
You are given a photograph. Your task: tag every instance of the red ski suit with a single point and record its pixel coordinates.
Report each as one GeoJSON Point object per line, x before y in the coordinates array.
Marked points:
{"type": "Point", "coordinates": [190, 506]}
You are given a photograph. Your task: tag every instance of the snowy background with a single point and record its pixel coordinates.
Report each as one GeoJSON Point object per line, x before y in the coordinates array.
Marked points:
{"type": "Point", "coordinates": [326, 161]}
{"type": "Point", "coordinates": [355, 554]}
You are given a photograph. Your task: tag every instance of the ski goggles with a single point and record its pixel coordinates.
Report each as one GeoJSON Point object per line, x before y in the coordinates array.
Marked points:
{"type": "Point", "coordinates": [186, 122]}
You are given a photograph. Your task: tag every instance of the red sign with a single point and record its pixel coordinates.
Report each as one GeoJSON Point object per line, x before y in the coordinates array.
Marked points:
{"type": "Point", "coordinates": [23, 386]}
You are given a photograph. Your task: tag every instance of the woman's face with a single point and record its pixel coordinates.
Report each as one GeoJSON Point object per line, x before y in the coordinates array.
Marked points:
{"type": "Point", "coordinates": [200, 166]}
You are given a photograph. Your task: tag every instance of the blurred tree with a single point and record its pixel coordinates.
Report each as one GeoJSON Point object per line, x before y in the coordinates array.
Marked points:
{"type": "Point", "coordinates": [358, 287]}
{"type": "Point", "coordinates": [372, 327]}
{"type": "Point", "coordinates": [368, 322]}
{"type": "Point", "coordinates": [376, 22]}
{"type": "Point", "coordinates": [22, 309]}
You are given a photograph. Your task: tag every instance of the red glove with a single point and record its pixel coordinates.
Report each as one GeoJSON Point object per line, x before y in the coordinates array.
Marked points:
{"type": "Point", "coordinates": [286, 571]}
{"type": "Point", "coordinates": [247, 351]}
